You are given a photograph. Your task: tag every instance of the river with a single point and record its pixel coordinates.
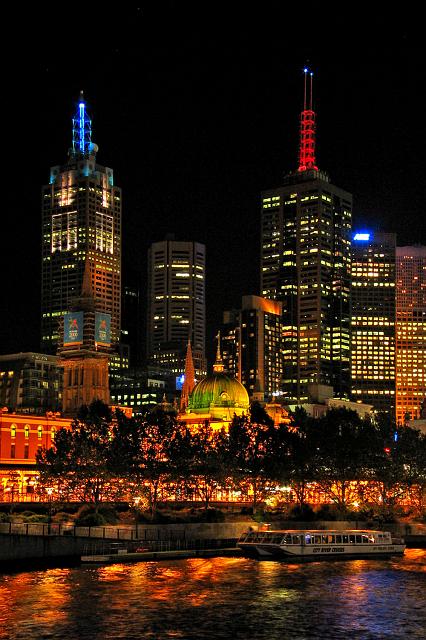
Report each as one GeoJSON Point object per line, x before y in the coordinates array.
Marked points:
{"type": "Point", "coordinates": [215, 598]}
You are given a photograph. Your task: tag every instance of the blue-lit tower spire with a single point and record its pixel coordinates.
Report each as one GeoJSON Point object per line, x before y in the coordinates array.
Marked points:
{"type": "Point", "coordinates": [82, 130]}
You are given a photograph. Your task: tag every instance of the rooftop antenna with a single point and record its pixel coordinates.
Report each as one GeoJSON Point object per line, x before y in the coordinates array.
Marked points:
{"type": "Point", "coordinates": [81, 129]}
{"type": "Point", "coordinates": [307, 126]}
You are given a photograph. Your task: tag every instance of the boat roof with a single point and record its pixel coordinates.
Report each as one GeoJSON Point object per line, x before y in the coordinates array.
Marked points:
{"type": "Point", "coordinates": [295, 531]}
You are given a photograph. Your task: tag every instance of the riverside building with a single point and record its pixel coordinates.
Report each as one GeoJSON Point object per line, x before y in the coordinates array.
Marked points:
{"type": "Point", "coordinates": [305, 264]}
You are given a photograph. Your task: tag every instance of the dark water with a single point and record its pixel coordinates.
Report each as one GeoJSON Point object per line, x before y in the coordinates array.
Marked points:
{"type": "Point", "coordinates": [219, 598]}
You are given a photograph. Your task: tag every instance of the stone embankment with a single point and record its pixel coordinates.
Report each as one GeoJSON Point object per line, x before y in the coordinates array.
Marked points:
{"type": "Point", "coordinates": [21, 542]}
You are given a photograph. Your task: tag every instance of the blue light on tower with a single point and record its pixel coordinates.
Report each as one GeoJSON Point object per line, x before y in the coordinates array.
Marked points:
{"type": "Point", "coordinates": [81, 129]}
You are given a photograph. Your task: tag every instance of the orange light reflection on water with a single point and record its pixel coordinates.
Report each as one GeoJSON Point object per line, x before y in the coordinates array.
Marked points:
{"type": "Point", "coordinates": [20, 593]}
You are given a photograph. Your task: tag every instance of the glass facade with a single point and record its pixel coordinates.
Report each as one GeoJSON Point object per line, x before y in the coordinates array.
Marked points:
{"type": "Point", "coordinates": [373, 320]}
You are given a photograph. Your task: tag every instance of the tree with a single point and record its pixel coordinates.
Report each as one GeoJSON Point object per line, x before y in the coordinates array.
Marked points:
{"type": "Point", "coordinates": [79, 464]}
{"type": "Point", "coordinates": [340, 455]}
{"type": "Point", "coordinates": [296, 453]}
{"type": "Point", "coordinates": [250, 452]}
{"type": "Point", "coordinates": [157, 434]}
{"type": "Point", "coordinates": [207, 465]}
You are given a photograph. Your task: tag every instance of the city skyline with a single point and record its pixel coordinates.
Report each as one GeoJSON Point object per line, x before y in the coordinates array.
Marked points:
{"type": "Point", "coordinates": [213, 122]}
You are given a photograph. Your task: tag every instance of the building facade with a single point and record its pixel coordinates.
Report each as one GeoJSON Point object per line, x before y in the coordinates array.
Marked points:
{"type": "Point", "coordinates": [81, 218]}
{"type": "Point", "coordinates": [410, 332]}
{"type": "Point", "coordinates": [21, 436]}
{"type": "Point", "coordinates": [176, 305]}
{"type": "Point", "coordinates": [30, 382]}
{"type": "Point", "coordinates": [373, 320]}
{"type": "Point", "coordinates": [305, 264]}
{"type": "Point", "coordinates": [85, 347]}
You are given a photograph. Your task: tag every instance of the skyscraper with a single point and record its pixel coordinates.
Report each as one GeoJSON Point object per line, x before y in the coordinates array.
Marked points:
{"type": "Point", "coordinates": [305, 264]}
{"type": "Point", "coordinates": [410, 331]}
{"type": "Point", "coordinates": [176, 304]}
{"type": "Point", "coordinates": [373, 320]}
{"type": "Point", "coordinates": [81, 216]}
{"type": "Point", "coordinates": [251, 340]}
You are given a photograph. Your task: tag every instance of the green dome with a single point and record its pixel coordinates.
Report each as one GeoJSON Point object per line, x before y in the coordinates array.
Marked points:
{"type": "Point", "coordinates": [221, 394]}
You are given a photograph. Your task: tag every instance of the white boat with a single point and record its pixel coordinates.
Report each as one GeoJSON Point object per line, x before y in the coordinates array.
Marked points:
{"type": "Point", "coordinates": [320, 544]}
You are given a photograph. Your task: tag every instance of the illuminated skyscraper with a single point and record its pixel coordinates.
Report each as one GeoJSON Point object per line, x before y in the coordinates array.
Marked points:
{"type": "Point", "coordinates": [305, 264]}
{"type": "Point", "coordinates": [81, 214]}
{"type": "Point", "coordinates": [410, 331]}
{"type": "Point", "coordinates": [373, 320]}
{"type": "Point", "coordinates": [176, 305]}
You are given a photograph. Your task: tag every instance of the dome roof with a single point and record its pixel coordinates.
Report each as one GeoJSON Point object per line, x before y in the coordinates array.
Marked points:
{"type": "Point", "coordinates": [219, 391]}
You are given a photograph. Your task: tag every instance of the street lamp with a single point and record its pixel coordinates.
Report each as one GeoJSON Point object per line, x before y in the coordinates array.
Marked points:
{"type": "Point", "coordinates": [136, 501]}
{"type": "Point", "coordinates": [49, 517]}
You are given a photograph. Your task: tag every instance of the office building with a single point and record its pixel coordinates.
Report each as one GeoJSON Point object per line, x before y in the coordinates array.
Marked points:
{"type": "Point", "coordinates": [81, 217]}
{"type": "Point", "coordinates": [305, 264]}
{"type": "Point", "coordinates": [30, 382]}
{"type": "Point", "coordinates": [230, 341]}
{"type": "Point", "coordinates": [410, 332]}
{"type": "Point", "coordinates": [176, 305]}
{"type": "Point", "coordinates": [373, 320]}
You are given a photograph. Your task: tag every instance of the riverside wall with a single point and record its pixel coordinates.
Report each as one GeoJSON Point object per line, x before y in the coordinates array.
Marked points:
{"type": "Point", "coordinates": [19, 547]}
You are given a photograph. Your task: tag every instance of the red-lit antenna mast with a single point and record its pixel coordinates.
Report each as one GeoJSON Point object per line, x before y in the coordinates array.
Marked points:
{"type": "Point", "coordinates": [307, 129]}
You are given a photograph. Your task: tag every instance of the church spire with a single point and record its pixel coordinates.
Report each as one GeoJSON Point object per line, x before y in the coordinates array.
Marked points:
{"type": "Point", "coordinates": [189, 378]}
{"type": "Point", "coordinates": [218, 366]}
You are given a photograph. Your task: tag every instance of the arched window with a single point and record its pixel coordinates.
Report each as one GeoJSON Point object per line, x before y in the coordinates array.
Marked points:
{"type": "Point", "coordinates": [52, 433]}
{"type": "Point", "coordinates": [39, 431]}
{"type": "Point", "coordinates": [27, 431]}
{"type": "Point", "coordinates": [13, 431]}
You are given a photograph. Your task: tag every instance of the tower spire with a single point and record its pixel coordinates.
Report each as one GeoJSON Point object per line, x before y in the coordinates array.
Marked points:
{"type": "Point", "coordinates": [218, 365]}
{"type": "Point", "coordinates": [307, 126]}
{"type": "Point", "coordinates": [81, 130]}
{"type": "Point", "coordinates": [189, 379]}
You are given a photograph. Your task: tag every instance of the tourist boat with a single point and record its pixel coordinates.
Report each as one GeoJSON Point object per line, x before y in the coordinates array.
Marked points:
{"type": "Point", "coordinates": [320, 544]}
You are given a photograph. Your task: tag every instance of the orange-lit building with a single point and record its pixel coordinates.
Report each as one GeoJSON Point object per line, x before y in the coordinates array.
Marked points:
{"type": "Point", "coordinates": [21, 436]}
{"type": "Point", "coordinates": [410, 331]}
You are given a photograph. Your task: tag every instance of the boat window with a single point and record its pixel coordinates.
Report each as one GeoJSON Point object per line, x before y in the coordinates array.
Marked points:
{"type": "Point", "coordinates": [287, 539]}
{"type": "Point", "coordinates": [308, 538]}
{"type": "Point", "coordinates": [358, 539]}
{"type": "Point", "coordinates": [345, 539]}
{"type": "Point", "coordinates": [364, 539]}
{"type": "Point", "coordinates": [317, 539]}
{"type": "Point", "coordinates": [351, 539]}
{"type": "Point", "coordinates": [276, 539]}
{"type": "Point", "coordinates": [338, 539]}
{"type": "Point", "coordinates": [297, 540]}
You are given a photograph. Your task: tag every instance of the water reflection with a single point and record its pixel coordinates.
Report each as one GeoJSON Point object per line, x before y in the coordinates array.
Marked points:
{"type": "Point", "coordinates": [218, 598]}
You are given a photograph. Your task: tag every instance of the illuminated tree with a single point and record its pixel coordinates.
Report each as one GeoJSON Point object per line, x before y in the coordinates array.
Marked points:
{"type": "Point", "coordinates": [207, 462]}
{"type": "Point", "coordinates": [79, 463]}
{"type": "Point", "coordinates": [295, 455]}
{"type": "Point", "coordinates": [341, 455]}
{"type": "Point", "coordinates": [250, 453]}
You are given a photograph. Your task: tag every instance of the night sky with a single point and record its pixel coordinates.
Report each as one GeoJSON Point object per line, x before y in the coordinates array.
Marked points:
{"type": "Point", "coordinates": [196, 108]}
